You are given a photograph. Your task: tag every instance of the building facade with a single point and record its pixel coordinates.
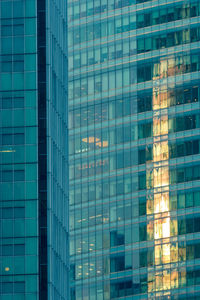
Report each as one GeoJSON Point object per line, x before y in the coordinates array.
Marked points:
{"type": "Point", "coordinates": [33, 150]}
{"type": "Point", "coordinates": [134, 153]}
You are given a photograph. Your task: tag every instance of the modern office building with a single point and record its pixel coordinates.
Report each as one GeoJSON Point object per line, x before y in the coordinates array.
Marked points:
{"type": "Point", "coordinates": [134, 152]}
{"type": "Point", "coordinates": [33, 150]}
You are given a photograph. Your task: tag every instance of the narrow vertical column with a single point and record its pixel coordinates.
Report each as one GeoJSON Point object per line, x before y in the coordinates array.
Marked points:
{"type": "Point", "coordinates": [158, 204]}
{"type": "Point", "coordinates": [42, 149]}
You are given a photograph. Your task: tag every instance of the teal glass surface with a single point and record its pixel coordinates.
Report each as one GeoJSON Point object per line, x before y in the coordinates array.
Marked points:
{"type": "Point", "coordinates": [18, 153]}
{"type": "Point", "coordinates": [33, 150]}
{"type": "Point", "coordinates": [133, 88]}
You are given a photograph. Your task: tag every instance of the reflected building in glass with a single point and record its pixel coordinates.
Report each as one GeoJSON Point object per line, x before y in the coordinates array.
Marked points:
{"type": "Point", "coordinates": [134, 152]}
{"type": "Point", "coordinates": [33, 150]}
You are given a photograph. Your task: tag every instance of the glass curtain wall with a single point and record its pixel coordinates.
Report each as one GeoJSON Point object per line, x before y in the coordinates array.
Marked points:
{"type": "Point", "coordinates": [134, 152]}
{"type": "Point", "coordinates": [57, 150]}
{"type": "Point", "coordinates": [18, 151]}
{"type": "Point", "coordinates": [33, 150]}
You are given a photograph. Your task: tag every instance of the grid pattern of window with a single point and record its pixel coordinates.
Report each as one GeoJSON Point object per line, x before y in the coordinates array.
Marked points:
{"type": "Point", "coordinates": [33, 150]}
{"type": "Point", "coordinates": [134, 153]}
{"type": "Point", "coordinates": [57, 151]}
{"type": "Point", "coordinates": [18, 151]}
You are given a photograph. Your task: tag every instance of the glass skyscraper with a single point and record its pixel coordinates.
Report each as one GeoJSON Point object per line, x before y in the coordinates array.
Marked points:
{"type": "Point", "coordinates": [33, 150]}
{"type": "Point", "coordinates": [134, 149]}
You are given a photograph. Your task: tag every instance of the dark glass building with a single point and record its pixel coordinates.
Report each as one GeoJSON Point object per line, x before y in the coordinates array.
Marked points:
{"type": "Point", "coordinates": [134, 149]}
{"type": "Point", "coordinates": [33, 150]}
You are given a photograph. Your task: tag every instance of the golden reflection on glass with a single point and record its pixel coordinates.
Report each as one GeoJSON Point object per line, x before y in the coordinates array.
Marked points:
{"type": "Point", "coordinates": [157, 182]}
{"type": "Point", "coordinates": [174, 279]}
{"type": "Point", "coordinates": [166, 280]}
{"type": "Point", "coordinates": [163, 69]}
{"type": "Point", "coordinates": [158, 229]}
{"type": "Point", "coordinates": [159, 281]}
{"type": "Point", "coordinates": [161, 203]}
{"type": "Point", "coordinates": [96, 141]}
{"type": "Point", "coordinates": [182, 253]}
{"type": "Point", "coordinates": [174, 252]}
{"type": "Point", "coordinates": [158, 254]}
{"type": "Point", "coordinates": [150, 204]}
{"type": "Point", "coordinates": [171, 68]}
{"type": "Point", "coordinates": [161, 151]}
{"type": "Point", "coordinates": [7, 151]}
{"type": "Point", "coordinates": [160, 100]}
{"type": "Point", "coordinates": [161, 177]}
{"type": "Point", "coordinates": [150, 231]}
{"type": "Point", "coordinates": [160, 125]}
{"type": "Point", "coordinates": [151, 282]}
{"type": "Point", "coordinates": [173, 227]}
{"type": "Point", "coordinates": [182, 277]}
{"type": "Point", "coordinates": [166, 227]}
{"type": "Point", "coordinates": [166, 253]}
